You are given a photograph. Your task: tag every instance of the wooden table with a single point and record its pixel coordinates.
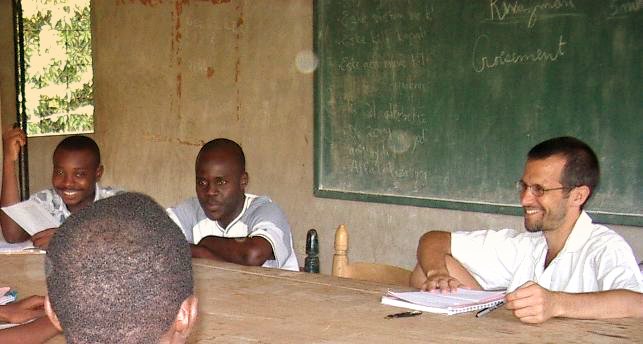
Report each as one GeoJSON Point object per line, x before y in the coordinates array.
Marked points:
{"type": "Point", "coordinates": [240, 304]}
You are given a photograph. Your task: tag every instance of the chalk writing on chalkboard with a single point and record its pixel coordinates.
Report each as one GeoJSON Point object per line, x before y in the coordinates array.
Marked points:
{"type": "Point", "coordinates": [435, 103]}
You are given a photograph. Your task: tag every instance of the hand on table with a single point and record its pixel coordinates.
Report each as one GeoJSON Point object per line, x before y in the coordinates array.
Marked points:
{"type": "Point", "coordinates": [24, 310]}
{"type": "Point", "coordinates": [532, 303]}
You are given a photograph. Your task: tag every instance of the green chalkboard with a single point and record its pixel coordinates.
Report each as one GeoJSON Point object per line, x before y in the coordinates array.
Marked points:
{"type": "Point", "coordinates": [436, 103]}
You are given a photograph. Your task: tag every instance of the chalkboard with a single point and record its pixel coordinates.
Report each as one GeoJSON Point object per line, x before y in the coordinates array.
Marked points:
{"type": "Point", "coordinates": [436, 103]}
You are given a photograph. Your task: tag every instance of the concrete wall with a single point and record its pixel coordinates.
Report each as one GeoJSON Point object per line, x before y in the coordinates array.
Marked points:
{"type": "Point", "coordinates": [171, 75]}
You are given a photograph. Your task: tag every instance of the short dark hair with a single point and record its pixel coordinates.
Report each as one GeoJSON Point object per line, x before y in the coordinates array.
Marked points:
{"type": "Point", "coordinates": [581, 163]}
{"type": "Point", "coordinates": [78, 143]}
{"type": "Point", "coordinates": [118, 271]}
{"type": "Point", "coordinates": [223, 143]}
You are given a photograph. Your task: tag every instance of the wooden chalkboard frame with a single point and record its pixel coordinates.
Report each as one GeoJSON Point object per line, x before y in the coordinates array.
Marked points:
{"type": "Point", "coordinates": [326, 191]}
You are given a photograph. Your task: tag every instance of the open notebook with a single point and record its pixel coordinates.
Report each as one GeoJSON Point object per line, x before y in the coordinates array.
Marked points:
{"type": "Point", "coordinates": [464, 300]}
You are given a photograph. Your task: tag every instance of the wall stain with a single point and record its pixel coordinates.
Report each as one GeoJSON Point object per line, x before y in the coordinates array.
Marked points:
{"type": "Point", "coordinates": [150, 3]}
{"type": "Point", "coordinates": [158, 138]}
{"type": "Point", "coordinates": [176, 49]}
{"type": "Point", "coordinates": [237, 67]}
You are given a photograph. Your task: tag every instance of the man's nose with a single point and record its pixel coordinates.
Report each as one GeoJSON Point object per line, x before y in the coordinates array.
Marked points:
{"type": "Point", "coordinates": [526, 197]}
{"type": "Point", "coordinates": [68, 180]}
{"type": "Point", "coordinates": [213, 189]}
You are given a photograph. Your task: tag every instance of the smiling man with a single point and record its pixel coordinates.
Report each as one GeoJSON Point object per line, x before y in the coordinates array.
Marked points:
{"type": "Point", "coordinates": [563, 266]}
{"type": "Point", "coordinates": [75, 175]}
{"type": "Point", "coordinates": [225, 223]}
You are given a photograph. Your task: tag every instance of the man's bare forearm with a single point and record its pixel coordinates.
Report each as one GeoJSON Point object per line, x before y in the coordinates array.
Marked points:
{"type": "Point", "coordinates": [432, 251]}
{"type": "Point", "coordinates": [618, 303]}
{"type": "Point", "coordinates": [245, 251]}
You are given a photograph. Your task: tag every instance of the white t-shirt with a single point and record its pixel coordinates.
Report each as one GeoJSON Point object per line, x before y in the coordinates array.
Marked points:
{"type": "Point", "coordinates": [55, 205]}
{"type": "Point", "coordinates": [260, 217]}
{"type": "Point", "coordinates": [594, 258]}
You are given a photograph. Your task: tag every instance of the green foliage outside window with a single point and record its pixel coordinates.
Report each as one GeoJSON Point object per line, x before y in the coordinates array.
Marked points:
{"type": "Point", "coordinates": [58, 66]}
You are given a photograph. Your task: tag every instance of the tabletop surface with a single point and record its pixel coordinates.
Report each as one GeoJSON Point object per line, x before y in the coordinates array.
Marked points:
{"type": "Point", "coordinates": [239, 304]}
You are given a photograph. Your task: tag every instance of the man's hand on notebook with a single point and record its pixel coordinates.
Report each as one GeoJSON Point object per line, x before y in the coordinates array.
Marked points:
{"type": "Point", "coordinates": [41, 239]}
{"type": "Point", "coordinates": [441, 280]}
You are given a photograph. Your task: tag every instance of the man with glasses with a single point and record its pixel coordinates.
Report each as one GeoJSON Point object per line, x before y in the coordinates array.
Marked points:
{"type": "Point", "coordinates": [562, 266]}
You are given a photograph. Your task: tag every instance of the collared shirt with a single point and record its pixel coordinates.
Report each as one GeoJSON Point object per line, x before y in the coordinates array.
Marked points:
{"type": "Point", "coordinates": [259, 217]}
{"type": "Point", "coordinates": [594, 258]}
{"type": "Point", "coordinates": [54, 204]}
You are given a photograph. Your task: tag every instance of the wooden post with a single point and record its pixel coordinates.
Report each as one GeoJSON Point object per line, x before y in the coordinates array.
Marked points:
{"type": "Point", "coordinates": [340, 258]}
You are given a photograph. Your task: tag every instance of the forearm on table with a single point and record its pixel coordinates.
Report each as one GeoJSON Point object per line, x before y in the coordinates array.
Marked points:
{"type": "Point", "coordinates": [245, 251]}
{"type": "Point", "coordinates": [619, 303]}
{"type": "Point", "coordinates": [37, 331]}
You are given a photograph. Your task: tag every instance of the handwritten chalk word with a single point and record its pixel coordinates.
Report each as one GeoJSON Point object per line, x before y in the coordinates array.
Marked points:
{"type": "Point", "coordinates": [619, 7]}
{"type": "Point", "coordinates": [394, 113]}
{"type": "Point", "coordinates": [483, 62]}
{"type": "Point", "coordinates": [350, 64]}
{"type": "Point", "coordinates": [500, 10]}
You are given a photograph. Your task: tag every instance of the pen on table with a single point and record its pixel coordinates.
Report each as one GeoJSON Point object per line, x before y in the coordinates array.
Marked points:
{"type": "Point", "coordinates": [403, 315]}
{"type": "Point", "coordinates": [489, 309]}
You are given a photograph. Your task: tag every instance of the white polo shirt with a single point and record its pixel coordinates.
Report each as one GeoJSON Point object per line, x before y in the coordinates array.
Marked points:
{"type": "Point", "coordinates": [260, 217]}
{"type": "Point", "coordinates": [594, 258]}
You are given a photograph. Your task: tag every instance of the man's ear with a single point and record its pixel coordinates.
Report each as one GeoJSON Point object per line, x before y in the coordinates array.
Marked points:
{"type": "Point", "coordinates": [579, 195]}
{"type": "Point", "coordinates": [186, 317]}
{"type": "Point", "coordinates": [51, 315]}
{"type": "Point", "coordinates": [244, 179]}
{"type": "Point", "coordinates": [99, 172]}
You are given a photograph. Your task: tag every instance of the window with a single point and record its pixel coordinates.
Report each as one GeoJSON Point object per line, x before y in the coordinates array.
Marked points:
{"type": "Point", "coordinates": [55, 80]}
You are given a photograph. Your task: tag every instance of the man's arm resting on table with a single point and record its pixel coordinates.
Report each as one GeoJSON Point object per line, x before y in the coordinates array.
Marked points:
{"type": "Point", "coordinates": [532, 303]}
{"type": "Point", "coordinates": [436, 268]}
{"type": "Point", "coordinates": [37, 331]}
{"type": "Point", "coordinates": [245, 251]}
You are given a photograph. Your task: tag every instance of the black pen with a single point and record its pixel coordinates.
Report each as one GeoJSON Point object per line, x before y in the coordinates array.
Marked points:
{"type": "Point", "coordinates": [489, 309]}
{"type": "Point", "coordinates": [403, 315]}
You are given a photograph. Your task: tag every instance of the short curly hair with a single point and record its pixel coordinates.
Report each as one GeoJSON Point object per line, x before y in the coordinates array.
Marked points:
{"type": "Point", "coordinates": [118, 271]}
{"type": "Point", "coordinates": [79, 143]}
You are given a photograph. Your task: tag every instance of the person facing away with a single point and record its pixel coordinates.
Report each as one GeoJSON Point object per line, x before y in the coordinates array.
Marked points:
{"type": "Point", "coordinates": [120, 271]}
{"type": "Point", "coordinates": [225, 223]}
{"type": "Point", "coordinates": [563, 266]}
{"type": "Point", "coordinates": [75, 175]}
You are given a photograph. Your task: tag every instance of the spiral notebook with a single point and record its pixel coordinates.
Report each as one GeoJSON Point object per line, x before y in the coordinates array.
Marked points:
{"type": "Point", "coordinates": [463, 300]}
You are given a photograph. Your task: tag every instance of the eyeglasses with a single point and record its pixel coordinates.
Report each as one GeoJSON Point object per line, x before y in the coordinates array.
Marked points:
{"type": "Point", "coordinates": [536, 189]}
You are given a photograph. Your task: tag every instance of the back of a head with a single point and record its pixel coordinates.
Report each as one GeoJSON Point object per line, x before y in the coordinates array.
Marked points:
{"type": "Point", "coordinates": [118, 271]}
{"type": "Point", "coordinates": [78, 143]}
{"type": "Point", "coordinates": [581, 163]}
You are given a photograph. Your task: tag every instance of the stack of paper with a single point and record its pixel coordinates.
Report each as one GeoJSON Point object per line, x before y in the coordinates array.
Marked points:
{"type": "Point", "coordinates": [463, 300]}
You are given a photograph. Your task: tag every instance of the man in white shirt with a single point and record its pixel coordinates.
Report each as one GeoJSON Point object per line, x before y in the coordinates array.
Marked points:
{"type": "Point", "coordinates": [225, 223]}
{"type": "Point", "coordinates": [76, 171]}
{"type": "Point", "coordinates": [563, 266]}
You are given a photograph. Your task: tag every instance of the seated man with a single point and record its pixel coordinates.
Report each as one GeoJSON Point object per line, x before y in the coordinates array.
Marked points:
{"type": "Point", "coordinates": [120, 272]}
{"type": "Point", "coordinates": [76, 172]}
{"type": "Point", "coordinates": [563, 266]}
{"type": "Point", "coordinates": [227, 224]}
